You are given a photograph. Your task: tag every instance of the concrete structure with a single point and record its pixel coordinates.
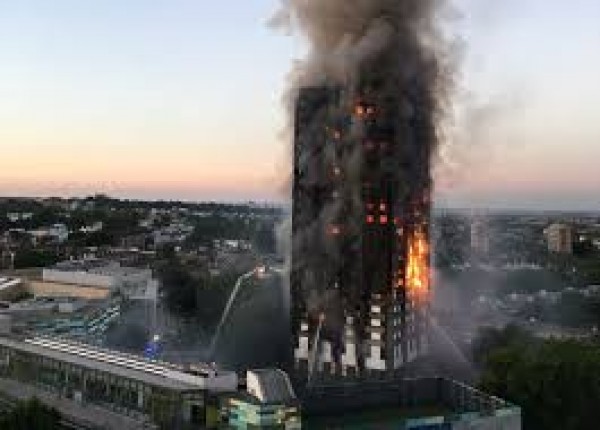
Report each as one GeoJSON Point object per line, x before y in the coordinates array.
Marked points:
{"type": "Point", "coordinates": [268, 402]}
{"type": "Point", "coordinates": [86, 320]}
{"type": "Point", "coordinates": [148, 391]}
{"type": "Point", "coordinates": [360, 256]}
{"type": "Point", "coordinates": [559, 238]}
{"type": "Point", "coordinates": [78, 320]}
{"type": "Point", "coordinates": [19, 216]}
{"type": "Point", "coordinates": [53, 289]}
{"type": "Point", "coordinates": [107, 275]}
{"type": "Point", "coordinates": [480, 240]}
{"type": "Point", "coordinates": [58, 232]}
{"type": "Point", "coordinates": [93, 228]}
{"type": "Point", "coordinates": [5, 325]}
{"type": "Point", "coordinates": [428, 403]}
{"type": "Point", "coordinates": [10, 287]}
{"type": "Point", "coordinates": [172, 234]}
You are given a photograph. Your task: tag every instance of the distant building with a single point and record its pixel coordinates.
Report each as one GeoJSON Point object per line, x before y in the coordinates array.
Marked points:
{"type": "Point", "coordinates": [19, 216]}
{"type": "Point", "coordinates": [57, 232]}
{"type": "Point", "coordinates": [94, 228]}
{"type": "Point", "coordinates": [137, 241]}
{"type": "Point", "coordinates": [109, 275]}
{"type": "Point", "coordinates": [559, 238]}
{"type": "Point", "coordinates": [172, 234]}
{"type": "Point", "coordinates": [480, 242]}
{"type": "Point", "coordinates": [232, 245]}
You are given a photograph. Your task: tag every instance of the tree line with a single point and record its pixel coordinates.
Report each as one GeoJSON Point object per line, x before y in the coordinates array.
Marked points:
{"type": "Point", "coordinates": [555, 382]}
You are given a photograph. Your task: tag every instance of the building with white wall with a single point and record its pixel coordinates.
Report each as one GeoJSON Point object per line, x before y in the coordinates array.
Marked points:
{"type": "Point", "coordinates": [130, 281]}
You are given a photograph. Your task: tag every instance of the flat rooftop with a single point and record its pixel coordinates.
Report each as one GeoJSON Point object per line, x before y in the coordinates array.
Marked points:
{"type": "Point", "coordinates": [404, 404]}
{"type": "Point", "coordinates": [155, 373]}
{"type": "Point", "coordinates": [96, 266]}
{"type": "Point", "coordinates": [6, 283]}
{"type": "Point", "coordinates": [383, 418]}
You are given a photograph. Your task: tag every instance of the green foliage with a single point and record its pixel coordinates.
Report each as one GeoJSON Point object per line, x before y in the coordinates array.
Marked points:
{"type": "Point", "coordinates": [35, 258]}
{"type": "Point", "coordinates": [219, 227]}
{"type": "Point", "coordinates": [588, 269]}
{"type": "Point", "coordinates": [580, 269]}
{"type": "Point", "coordinates": [555, 382]}
{"type": "Point", "coordinates": [23, 295]}
{"type": "Point", "coordinates": [491, 339]}
{"type": "Point", "coordinates": [30, 415]}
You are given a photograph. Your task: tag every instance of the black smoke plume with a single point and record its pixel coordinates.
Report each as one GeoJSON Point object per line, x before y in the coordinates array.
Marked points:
{"type": "Point", "coordinates": [393, 53]}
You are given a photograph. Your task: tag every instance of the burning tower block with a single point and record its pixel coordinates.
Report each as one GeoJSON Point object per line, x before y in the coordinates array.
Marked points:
{"type": "Point", "coordinates": [361, 207]}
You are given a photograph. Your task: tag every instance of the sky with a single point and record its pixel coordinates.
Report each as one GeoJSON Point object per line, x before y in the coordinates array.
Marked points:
{"type": "Point", "coordinates": [182, 99]}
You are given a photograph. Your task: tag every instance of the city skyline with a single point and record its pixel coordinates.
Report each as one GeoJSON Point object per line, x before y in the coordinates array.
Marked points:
{"type": "Point", "coordinates": [183, 100]}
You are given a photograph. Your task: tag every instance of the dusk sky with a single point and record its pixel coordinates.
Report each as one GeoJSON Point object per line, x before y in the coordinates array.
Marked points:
{"type": "Point", "coordinates": [181, 99]}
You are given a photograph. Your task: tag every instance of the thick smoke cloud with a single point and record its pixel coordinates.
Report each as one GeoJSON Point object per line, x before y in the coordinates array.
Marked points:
{"type": "Point", "coordinates": [394, 46]}
{"type": "Point", "coordinates": [343, 34]}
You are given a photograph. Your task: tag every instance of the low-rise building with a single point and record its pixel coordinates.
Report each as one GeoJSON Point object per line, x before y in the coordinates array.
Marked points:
{"type": "Point", "coordinates": [269, 401]}
{"type": "Point", "coordinates": [93, 228]}
{"type": "Point", "coordinates": [57, 232]}
{"type": "Point", "coordinates": [10, 287]}
{"type": "Point", "coordinates": [153, 392]}
{"type": "Point", "coordinates": [406, 404]}
{"type": "Point", "coordinates": [109, 275]}
{"type": "Point", "coordinates": [19, 216]}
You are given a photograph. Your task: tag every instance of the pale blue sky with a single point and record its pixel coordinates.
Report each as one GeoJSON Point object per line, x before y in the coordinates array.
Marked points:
{"type": "Point", "coordinates": [181, 99]}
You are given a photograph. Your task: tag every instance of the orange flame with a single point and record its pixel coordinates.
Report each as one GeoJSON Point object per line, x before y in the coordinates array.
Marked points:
{"type": "Point", "coordinates": [334, 230]}
{"type": "Point", "coordinates": [359, 110]}
{"type": "Point", "coordinates": [417, 266]}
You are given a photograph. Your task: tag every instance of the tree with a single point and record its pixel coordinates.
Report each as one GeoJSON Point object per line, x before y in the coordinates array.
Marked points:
{"type": "Point", "coordinates": [491, 339]}
{"type": "Point", "coordinates": [35, 258]}
{"type": "Point", "coordinates": [554, 382]}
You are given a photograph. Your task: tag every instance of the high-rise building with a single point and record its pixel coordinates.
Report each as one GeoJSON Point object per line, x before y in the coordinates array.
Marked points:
{"type": "Point", "coordinates": [361, 208]}
{"type": "Point", "coordinates": [480, 241]}
{"type": "Point", "coordinates": [559, 238]}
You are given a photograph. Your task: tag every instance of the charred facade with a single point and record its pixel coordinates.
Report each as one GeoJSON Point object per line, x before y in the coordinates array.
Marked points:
{"type": "Point", "coordinates": [361, 205]}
